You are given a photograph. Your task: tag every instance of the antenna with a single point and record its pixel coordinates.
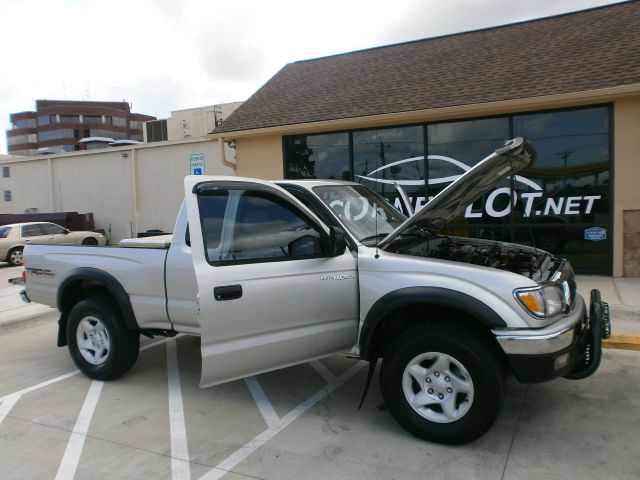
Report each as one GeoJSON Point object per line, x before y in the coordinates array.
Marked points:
{"type": "Point", "coordinates": [375, 213]}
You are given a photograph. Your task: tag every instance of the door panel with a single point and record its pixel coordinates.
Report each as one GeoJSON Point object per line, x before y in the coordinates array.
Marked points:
{"type": "Point", "coordinates": [269, 294]}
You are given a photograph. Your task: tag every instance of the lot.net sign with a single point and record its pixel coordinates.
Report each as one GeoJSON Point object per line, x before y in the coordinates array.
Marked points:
{"type": "Point", "coordinates": [196, 164]}
{"type": "Point", "coordinates": [534, 202]}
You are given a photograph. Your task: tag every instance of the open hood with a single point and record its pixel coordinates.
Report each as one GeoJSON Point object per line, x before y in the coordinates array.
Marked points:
{"type": "Point", "coordinates": [453, 200]}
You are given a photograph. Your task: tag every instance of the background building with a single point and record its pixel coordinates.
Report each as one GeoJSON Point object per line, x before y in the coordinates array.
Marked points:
{"type": "Point", "coordinates": [189, 123]}
{"type": "Point", "coordinates": [423, 112]}
{"type": "Point", "coordinates": [59, 125]}
{"type": "Point", "coordinates": [129, 188]}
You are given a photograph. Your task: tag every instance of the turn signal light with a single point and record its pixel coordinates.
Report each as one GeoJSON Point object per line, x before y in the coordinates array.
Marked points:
{"type": "Point", "coordinates": [533, 301]}
{"type": "Point", "coordinates": [543, 301]}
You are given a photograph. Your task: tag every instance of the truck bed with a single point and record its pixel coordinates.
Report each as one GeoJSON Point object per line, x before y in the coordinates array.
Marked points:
{"type": "Point", "coordinates": [139, 270]}
{"type": "Point", "coordinates": [159, 241]}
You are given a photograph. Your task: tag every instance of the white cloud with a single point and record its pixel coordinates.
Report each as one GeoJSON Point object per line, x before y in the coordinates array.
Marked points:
{"type": "Point", "coordinates": [164, 55]}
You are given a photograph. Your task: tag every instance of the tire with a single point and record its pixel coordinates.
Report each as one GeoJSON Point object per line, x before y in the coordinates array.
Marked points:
{"type": "Point", "coordinates": [90, 241]}
{"type": "Point", "coordinates": [14, 257]}
{"type": "Point", "coordinates": [453, 377]}
{"type": "Point", "coordinates": [99, 342]}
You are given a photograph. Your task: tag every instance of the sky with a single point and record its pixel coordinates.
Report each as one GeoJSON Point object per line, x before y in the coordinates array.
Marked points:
{"type": "Point", "coordinates": [165, 55]}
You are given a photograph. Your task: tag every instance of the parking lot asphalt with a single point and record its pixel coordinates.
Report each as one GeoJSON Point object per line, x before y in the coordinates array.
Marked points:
{"type": "Point", "coordinates": [300, 422]}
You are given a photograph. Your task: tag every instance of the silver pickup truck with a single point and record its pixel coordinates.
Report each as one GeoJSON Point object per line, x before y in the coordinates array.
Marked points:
{"type": "Point", "coordinates": [274, 274]}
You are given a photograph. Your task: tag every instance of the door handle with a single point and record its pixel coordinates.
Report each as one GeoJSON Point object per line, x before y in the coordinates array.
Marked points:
{"type": "Point", "coordinates": [228, 292]}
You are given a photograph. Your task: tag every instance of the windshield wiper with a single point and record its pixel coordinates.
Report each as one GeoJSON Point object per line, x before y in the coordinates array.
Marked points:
{"type": "Point", "coordinates": [417, 233]}
{"type": "Point", "coordinates": [374, 237]}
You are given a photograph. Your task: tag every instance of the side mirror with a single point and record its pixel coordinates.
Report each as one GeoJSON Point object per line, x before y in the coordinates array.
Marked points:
{"type": "Point", "coordinates": [67, 231]}
{"type": "Point", "coordinates": [337, 242]}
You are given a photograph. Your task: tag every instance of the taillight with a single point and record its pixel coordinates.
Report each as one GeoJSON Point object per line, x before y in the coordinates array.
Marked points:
{"type": "Point", "coordinates": [24, 272]}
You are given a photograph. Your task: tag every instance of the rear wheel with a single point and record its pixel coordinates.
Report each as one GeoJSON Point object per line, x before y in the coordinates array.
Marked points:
{"type": "Point", "coordinates": [99, 342]}
{"type": "Point", "coordinates": [14, 257]}
{"type": "Point", "coordinates": [442, 383]}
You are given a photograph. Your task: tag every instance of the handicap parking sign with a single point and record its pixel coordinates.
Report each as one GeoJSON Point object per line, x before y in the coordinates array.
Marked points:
{"type": "Point", "coordinates": [196, 164]}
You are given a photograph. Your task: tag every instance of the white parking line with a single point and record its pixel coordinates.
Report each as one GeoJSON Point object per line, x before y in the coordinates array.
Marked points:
{"type": "Point", "coordinates": [8, 401]}
{"type": "Point", "coordinates": [323, 371]}
{"type": "Point", "coordinates": [40, 385]}
{"type": "Point", "coordinates": [7, 404]}
{"type": "Point", "coordinates": [180, 466]}
{"type": "Point", "coordinates": [69, 464]}
{"type": "Point", "coordinates": [51, 381]}
{"type": "Point", "coordinates": [264, 405]}
{"type": "Point", "coordinates": [239, 455]}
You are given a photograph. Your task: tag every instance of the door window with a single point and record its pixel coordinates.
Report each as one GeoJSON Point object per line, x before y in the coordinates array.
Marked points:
{"type": "Point", "coordinates": [31, 230]}
{"type": "Point", "coordinates": [242, 226]}
{"type": "Point", "coordinates": [53, 229]}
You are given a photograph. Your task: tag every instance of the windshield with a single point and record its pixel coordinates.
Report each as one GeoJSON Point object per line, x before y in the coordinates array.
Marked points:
{"type": "Point", "coordinates": [356, 207]}
{"type": "Point", "coordinates": [4, 232]}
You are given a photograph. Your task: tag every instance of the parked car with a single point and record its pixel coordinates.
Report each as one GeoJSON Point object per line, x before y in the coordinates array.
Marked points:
{"type": "Point", "coordinates": [275, 274]}
{"type": "Point", "coordinates": [14, 237]}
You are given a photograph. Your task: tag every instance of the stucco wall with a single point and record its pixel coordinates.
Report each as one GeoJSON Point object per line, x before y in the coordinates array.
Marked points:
{"type": "Point", "coordinates": [160, 172]}
{"type": "Point", "coordinates": [28, 185]}
{"type": "Point", "coordinates": [260, 157]}
{"type": "Point", "coordinates": [128, 190]}
{"type": "Point", "coordinates": [627, 171]}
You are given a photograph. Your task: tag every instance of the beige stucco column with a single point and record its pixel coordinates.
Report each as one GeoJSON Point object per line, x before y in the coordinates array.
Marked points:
{"type": "Point", "coordinates": [626, 142]}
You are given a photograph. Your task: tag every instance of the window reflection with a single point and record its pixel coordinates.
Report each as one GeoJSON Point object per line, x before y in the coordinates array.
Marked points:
{"type": "Point", "coordinates": [387, 156]}
{"type": "Point", "coordinates": [556, 204]}
{"type": "Point", "coordinates": [318, 156]}
{"type": "Point", "coordinates": [263, 228]}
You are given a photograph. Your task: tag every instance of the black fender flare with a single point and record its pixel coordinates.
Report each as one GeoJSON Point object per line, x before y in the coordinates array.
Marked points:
{"type": "Point", "coordinates": [106, 280]}
{"type": "Point", "coordinates": [422, 295]}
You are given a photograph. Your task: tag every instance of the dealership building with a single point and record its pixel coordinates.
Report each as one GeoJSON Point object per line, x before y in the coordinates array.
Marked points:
{"type": "Point", "coordinates": [418, 114]}
{"type": "Point", "coordinates": [421, 113]}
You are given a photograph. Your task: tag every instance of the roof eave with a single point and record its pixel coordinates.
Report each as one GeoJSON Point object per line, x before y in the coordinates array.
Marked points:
{"type": "Point", "coordinates": [459, 111]}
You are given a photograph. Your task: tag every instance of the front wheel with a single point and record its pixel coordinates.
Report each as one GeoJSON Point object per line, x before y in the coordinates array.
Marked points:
{"type": "Point", "coordinates": [90, 242]}
{"type": "Point", "coordinates": [99, 342]}
{"type": "Point", "coordinates": [442, 384]}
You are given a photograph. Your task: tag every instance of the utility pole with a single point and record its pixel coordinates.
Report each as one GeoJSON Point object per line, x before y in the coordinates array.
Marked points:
{"type": "Point", "coordinates": [382, 146]}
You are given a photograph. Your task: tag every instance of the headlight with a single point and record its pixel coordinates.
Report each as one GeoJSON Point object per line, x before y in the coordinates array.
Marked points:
{"type": "Point", "coordinates": [544, 301]}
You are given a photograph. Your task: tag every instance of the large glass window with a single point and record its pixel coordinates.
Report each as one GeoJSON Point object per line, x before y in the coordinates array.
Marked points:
{"type": "Point", "coordinates": [388, 156]}
{"type": "Point", "coordinates": [455, 147]}
{"type": "Point", "coordinates": [69, 119]}
{"type": "Point", "coordinates": [562, 203]}
{"type": "Point", "coordinates": [565, 205]}
{"type": "Point", "coordinates": [92, 119]}
{"type": "Point", "coordinates": [25, 123]}
{"type": "Point", "coordinates": [55, 134]}
{"type": "Point", "coordinates": [318, 156]}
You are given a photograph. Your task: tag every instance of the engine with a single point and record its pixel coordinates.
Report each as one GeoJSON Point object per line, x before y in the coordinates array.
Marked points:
{"type": "Point", "coordinates": [528, 261]}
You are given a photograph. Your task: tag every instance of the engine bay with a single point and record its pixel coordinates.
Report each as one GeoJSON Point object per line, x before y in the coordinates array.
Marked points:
{"type": "Point", "coordinates": [527, 261]}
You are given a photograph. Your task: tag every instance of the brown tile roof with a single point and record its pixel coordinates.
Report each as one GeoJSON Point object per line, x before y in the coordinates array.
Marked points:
{"type": "Point", "coordinates": [586, 50]}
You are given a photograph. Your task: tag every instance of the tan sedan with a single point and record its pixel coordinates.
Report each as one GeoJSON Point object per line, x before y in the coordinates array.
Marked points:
{"type": "Point", "coordinates": [14, 237]}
